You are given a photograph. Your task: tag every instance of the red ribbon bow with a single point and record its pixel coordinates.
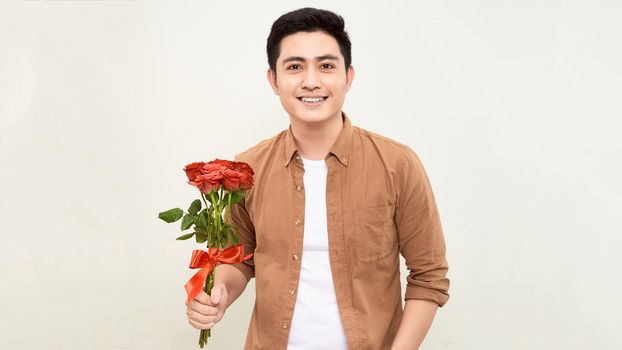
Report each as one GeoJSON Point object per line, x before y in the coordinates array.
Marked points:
{"type": "Point", "coordinates": [206, 261]}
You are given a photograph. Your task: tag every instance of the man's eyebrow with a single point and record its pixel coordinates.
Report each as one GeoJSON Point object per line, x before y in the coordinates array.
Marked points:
{"type": "Point", "coordinates": [327, 57]}
{"type": "Point", "coordinates": [317, 58]}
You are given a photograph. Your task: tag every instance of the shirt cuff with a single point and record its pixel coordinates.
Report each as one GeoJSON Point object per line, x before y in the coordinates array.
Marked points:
{"type": "Point", "coordinates": [439, 297]}
{"type": "Point", "coordinates": [246, 270]}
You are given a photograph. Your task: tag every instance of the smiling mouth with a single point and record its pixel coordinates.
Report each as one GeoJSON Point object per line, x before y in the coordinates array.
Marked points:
{"type": "Point", "coordinates": [313, 100]}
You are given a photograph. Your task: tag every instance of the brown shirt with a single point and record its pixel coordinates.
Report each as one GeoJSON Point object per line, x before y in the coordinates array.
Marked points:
{"type": "Point", "coordinates": [379, 203]}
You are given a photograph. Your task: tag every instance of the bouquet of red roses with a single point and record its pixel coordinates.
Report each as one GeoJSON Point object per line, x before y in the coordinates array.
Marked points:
{"type": "Point", "coordinates": [222, 183]}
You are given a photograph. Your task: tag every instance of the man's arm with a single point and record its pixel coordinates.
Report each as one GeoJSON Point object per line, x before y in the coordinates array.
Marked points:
{"type": "Point", "coordinates": [233, 279]}
{"type": "Point", "coordinates": [422, 244]}
{"type": "Point", "coordinates": [416, 321]}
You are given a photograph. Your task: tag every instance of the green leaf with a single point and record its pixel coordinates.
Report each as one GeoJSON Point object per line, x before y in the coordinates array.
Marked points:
{"type": "Point", "coordinates": [200, 236]}
{"type": "Point", "coordinates": [171, 215]}
{"type": "Point", "coordinates": [187, 221]}
{"type": "Point", "coordinates": [201, 222]}
{"type": "Point", "coordinates": [195, 207]}
{"type": "Point", "coordinates": [236, 197]}
{"type": "Point", "coordinates": [184, 237]}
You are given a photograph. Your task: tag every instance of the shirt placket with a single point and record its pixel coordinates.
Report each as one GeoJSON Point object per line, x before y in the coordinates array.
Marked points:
{"type": "Point", "coordinates": [295, 242]}
{"type": "Point", "coordinates": [338, 252]}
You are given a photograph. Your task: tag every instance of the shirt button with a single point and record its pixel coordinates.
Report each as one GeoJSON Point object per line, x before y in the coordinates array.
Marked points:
{"type": "Point", "coordinates": [344, 159]}
{"type": "Point", "coordinates": [295, 257]}
{"type": "Point", "coordinates": [298, 187]}
{"type": "Point", "coordinates": [297, 157]}
{"type": "Point", "coordinates": [298, 221]}
{"type": "Point", "coordinates": [291, 292]}
{"type": "Point", "coordinates": [284, 324]}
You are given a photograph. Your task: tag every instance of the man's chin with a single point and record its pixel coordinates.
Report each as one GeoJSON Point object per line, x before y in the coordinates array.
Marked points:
{"type": "Point", "coordinates": [310, 118]}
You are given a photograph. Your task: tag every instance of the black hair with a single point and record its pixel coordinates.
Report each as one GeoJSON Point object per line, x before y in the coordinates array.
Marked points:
{"type": "Point", "coordinates": [308, 19]}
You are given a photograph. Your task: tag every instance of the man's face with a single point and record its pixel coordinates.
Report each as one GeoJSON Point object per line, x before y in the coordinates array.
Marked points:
{"type": "Point", "coordinates": [310, 65]}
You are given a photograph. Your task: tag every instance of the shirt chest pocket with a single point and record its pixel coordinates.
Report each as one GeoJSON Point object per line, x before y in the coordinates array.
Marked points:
{"type": "Point", "coordinates": [374, 232]}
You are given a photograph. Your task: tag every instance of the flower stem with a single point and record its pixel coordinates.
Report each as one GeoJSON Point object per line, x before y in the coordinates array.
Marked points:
{"type": "Point", "coordinates": [228, 209]}
{"type": "Point", "coordinates": [209, 284]}
{"type": "Point", "coordinates": [204, 200]}
{"type": "Point", "coordinates": [216, 211]}
{"type": "Point", "coordinates": [213, 242]}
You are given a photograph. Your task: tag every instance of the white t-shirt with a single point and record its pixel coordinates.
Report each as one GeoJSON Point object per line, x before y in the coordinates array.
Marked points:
{"type": "Point", "coordinates": [316, 324]}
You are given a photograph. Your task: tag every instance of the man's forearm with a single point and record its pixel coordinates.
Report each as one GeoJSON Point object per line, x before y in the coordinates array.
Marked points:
{"type": "Point", "coordinates": [233, 278]}
{"type": "Point", "coordinates": [416, 320]}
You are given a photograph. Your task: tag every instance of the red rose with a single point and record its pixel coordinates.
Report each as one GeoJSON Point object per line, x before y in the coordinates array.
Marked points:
{"type": "Point", "coordinates": [193, 170]}
{"type": "Point", "coordinates": [246, 180]}
{"type": "Point", "coordinates": [213, 168]}
{"type": "Point", "coordinates": [231, 179]}
{"type": "Point", "coordinates": [223, 162]}
{"type": "Point", "coordinates": [206, 182]}
{"type": "Point", "coordinates": [231, 175]}
{"type": "Point", "coordinates": [242, 167]}
{"type": "Point", "coordinates": [246, 175]}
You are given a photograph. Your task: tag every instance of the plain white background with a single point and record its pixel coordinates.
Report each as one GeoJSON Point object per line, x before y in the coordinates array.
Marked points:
{"type": "Point", "coordinates": [513, 107]}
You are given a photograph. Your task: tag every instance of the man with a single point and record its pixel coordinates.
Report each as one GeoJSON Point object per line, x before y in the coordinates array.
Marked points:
{"type": "Point", "coordinates": [332, 207]}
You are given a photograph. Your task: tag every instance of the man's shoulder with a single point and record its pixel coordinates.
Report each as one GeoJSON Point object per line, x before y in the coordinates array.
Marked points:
{"type": "Point", "coordinates": [382, 142]}
{"type": "Point", "coordinates": [261, 150]}
{"type": "Point", "coordinates": [401, 158]}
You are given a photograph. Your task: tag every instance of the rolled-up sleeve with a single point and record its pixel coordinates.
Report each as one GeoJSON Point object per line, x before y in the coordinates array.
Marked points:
{"type": "Point", "coordinates": [420, 235]}
{"type": "Point", "coordinates": [240, 218]}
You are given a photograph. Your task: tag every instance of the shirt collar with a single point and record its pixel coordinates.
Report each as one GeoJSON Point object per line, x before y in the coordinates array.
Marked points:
{"type": "Point", "coordinates": [340, 149]}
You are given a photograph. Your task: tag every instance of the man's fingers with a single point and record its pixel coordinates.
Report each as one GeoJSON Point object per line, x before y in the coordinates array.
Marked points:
{"type": "Point", "coordinates": [204, 311]}
{"type": "Point", "coordinates": [217, 292]}
{"type": "Point", "coordinates": [202, 297]}
{"type": "Point", "coordinates": [215, 296]}
{"type": "Point", "coordinates": [198, 325]}
{"type": "Point", "coordinates": [202, 308]}
{"type": "Point", "coordinates": [201, 318]}
{"type": "Point", "coordinates": [200, 321]}
{"type": "Point", "coordinates": [210, 302]}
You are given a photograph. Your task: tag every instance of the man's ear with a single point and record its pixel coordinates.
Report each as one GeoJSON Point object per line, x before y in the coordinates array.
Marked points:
{"type": "Point", "coordinates": [272, 80]}
{"type": "Point", "coordinates": [349, 77]}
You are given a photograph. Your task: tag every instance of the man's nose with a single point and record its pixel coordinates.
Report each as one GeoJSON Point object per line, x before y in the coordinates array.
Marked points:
{"type": "Point", "coordinates": [311, 79]}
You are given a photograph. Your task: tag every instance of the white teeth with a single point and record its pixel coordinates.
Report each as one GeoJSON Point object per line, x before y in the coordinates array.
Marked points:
{"type": "Point", "coordinates": [312, 99]}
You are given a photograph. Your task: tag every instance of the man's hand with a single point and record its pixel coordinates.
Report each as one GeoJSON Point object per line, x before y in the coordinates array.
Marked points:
{"type": "Point", "coordinates": [205, 310]}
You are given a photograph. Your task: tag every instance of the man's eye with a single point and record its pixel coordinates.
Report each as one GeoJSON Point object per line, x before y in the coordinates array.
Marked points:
{"type": "Point", "coordinates": [327, 65]}
{"type": "Point", "coordinates": [293, 65]}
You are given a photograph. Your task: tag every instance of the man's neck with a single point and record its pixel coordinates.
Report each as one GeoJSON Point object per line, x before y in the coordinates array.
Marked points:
{"type": "Point", "coordinates": [315, 140]}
